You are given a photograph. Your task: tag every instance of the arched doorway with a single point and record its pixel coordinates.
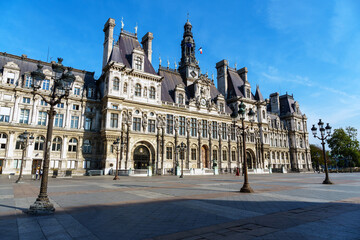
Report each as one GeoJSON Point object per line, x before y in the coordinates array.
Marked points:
{"type": "Point", "coordinates": [205, 157]}
{"type": "Point", "coordinates": [249, 160]}
{"type": "Point", "coordinates": [141, 157]}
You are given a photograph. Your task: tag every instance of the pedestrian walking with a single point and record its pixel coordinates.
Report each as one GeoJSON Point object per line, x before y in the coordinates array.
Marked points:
{"type": "Point", "coordinates": [41, 173]}
{"type": "Point", "coordinates": [237, 172]}
{"type": "Point", "coordinates": [37, 173]}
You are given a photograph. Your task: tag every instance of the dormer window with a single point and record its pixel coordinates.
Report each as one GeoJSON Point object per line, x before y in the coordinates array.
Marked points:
{"type": "Point", "coordinates": [181, 99]}
{"type": "Point", "coordinates": [221, 106]}
{"type": "Point", "coordinates": [138, 63]}
{"type": "Point", "coordinates": [11, 78]}
{"type": "Point", "coordinates": [152, 93]}
{"type": "Point", "coordinates": [248, 94]}
{"type": "Point", "coordinates": [138, 59]}
{"type": "Point", "coordinates": [138, 90]}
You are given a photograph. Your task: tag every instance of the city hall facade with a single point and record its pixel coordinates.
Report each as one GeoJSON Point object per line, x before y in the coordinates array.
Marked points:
{"type": "Point", "coordinates": [151, 113]}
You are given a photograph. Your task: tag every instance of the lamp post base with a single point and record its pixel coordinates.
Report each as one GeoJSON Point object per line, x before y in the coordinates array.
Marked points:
{"type": "Point", "coordinates": [246, 188]}
{"type": "Point", "coordinates": [327, 181]}
{"type": "Point", "coordinates": [116, 177]}
{"type": "Point", "coordinates": [41, 207]}
{"type": "Point", "coordinates": [181, 176]}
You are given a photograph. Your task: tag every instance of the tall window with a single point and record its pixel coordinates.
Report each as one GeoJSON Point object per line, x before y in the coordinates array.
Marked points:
{"type": "Point", "coordinates": [204, 128]}
{"type": "Point", "coordinates": [232, 132]}
{"type": "Point", "coordinates": [215, 155]}
{"type": "Point", "coordinates": [181, 99]}
{"type": "Point", "coordinates": [193, 154]}
{"type": "Point", "coordinates": [46, 84]}
{"type": "Point", "coordinates": [182, 126]}
{"type": "Point", "coordinates": [224, 156]}
{"type": "Point", "coordinates": [42, 118]}
{"type": "Point", "coordinates": [233, 156]}
{"type": "Point", "coordinates": [72, 145]}
{"type": "Point", "coordinates": [263, 113]}
{"type": "Point", "coordinates": [151, 125]}
{"type": "Point", "coordinates": [24, 116]}
{"type": "Point", "coordinates": [136, 124]}
{"type": "Point", "coordinates": [214, 130]}
{"type": "Point", "coordinates": [152, 93]}
{"type": "Point", "coordinates": [138, 90]}
{"type": "Point", "coordinates": [87, 146]}
{"type": "Point", "coordinates": [58, 121]}
{"type": "Point", "coordinates": [39, 143]}
{"type": "Point", "coordinates": [18, 144]}
{"type": "Point", "coordinates": [223, 129]}
{"type": "Point", "coordinates": [168, 152]}
{"type": "Point", "coordinates": [26, 100]}
{"type": "Point", "coordinates": [138, 63]}
{"type": "Point", "coordinates": [125, 88]}
{"type": "Point", "coordinates": [116, 83]}
{"type": "Point", "coordinates": [221, 107]}
{"type": "Point", "coordinates": [5, 114]}
{"type": "Point", "coordinates": [87, 124]}
{"type": "Point", "coordinates": [193, 127]}
{"type": "Point", "coordinates": [56, 144]}
{"type": "Point", "coordinates": [74, 122]}
{"type": "Point", "coordinates": [60, 105]}
{"type": "Point", "coordinates": [114, 119]}
{"type": "Point", "coordinates": [169, 124]}
{"type": "Point", "coordinates": [11, 78]}
{"type": "Point", "coordinates": [28, 81]}
{"type": "Point", "coordinates": [248, 93]}
{"type": "Point", "coordinates": [3, 140]}
{"type": "Point", "coordinates": [43, 103]}
{"type": "Point", "coordinates": [77, 91]}
{"type": "Point", "coordinates": [91, 92]}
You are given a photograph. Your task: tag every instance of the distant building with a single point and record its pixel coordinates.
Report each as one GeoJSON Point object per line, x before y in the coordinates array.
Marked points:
{"type": "Point", "coordinates": [152, 113]}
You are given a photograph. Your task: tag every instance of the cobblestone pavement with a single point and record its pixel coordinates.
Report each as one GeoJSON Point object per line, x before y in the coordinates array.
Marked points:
{"type": "Point", "coordinates": [284, 206]}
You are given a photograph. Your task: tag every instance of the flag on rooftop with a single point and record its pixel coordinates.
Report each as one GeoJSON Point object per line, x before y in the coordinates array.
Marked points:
{"type": "Point", "coordinates": [200, 50]}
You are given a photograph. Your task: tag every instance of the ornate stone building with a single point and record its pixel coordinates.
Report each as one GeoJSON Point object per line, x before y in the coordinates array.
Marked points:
{"type": "Point", "coordinates": [152, 113]}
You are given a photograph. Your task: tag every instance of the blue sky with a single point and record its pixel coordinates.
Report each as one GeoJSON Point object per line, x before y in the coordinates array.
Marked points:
{"type": "Point", "coordinates": [306, 48]}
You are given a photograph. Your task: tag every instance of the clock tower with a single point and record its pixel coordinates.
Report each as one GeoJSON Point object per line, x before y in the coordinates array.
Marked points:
{"type": "Point", "coordinates": [189, 68]}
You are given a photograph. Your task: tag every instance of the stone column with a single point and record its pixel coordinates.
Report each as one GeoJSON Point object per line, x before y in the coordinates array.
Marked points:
{"type": "Point", "coordinates": [210, 148]}
{"type": "Point", "coordinates": [199, 162]}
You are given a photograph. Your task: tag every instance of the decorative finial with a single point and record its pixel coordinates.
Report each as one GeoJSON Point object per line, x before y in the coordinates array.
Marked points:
{"type": "Point", "coordinates": [168, 62]}
{"type": "Point", "coordinates": [235, 65]}
{"type": "Point", "coordinates": [175, 64]}
{"type": "Point", "coordinates": [122, 23]}
{"type": "Point", "coordinates": [187, 17]}
{"type": "Point", "coordinates": [159, 60]}
{"type": "Point", "coordinates": [212, 76]}
{"type": "Point", "coordinates": [136, 27]}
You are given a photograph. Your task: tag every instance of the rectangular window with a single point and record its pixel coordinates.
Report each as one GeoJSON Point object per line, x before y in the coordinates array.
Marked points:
{"type": "Point", "coordinates": [193, 154]}
{"type": "Point", "coordinates": [169, 124]}
{"type": "Point", "coordinates": [60, 105]}
{"type": "Point", "coordinates": [87, 124]}
{"type": "Point", "coordinates": [17, 163]}
{"type": "Point", "coordinates": [151, 125]}
{"type": "Point", "coordinates": [77, 91]}
{"type": "Point", "coordinates": [193, 127]}
{"type": "Point", "coordinates": [136, 124]}
{"type": "Point", "coordinates": [214, 130]}
{"type": "Point", "coordinates": [46, 84]}
{"type": "Point", "coordinates": [43, 103]}
{"type": "Point", "coordinates": [76, 107]}
{"type": "Point", "coordinates": [42, 118]}
{"type": "Point", "coordinates": [168, 152]}
{"type": "Point", "coordinates": [71, 164]}
{"type": "Point", "coordinates": [204, 128]}
{"type": "Point", "coordinates": [182, 126]}
{"type": "Point", "coordinates": [28, 81]}
{"type": "Point", "coordinates": [24, 116]}
{"type": "Point", "coordinates": [74, 122]}
{"type": "Point", "coordinates": [26, 100]}
{"type": "Point", "coordinates": [58, 120]}
{"type": "Point", "coordinates": [90, 93]}
{"type": "Point", "coordinates": [5, 114]}
{"type": "Point", "coordinates": [215, 155]}
{"type": "Point", "coordinates": [114, 106]}
{"type": "Point", "coordinates": [233, 158]}
{"type": "Point", "coordinates": [11, 78]}
{"type": "Point", "coordinates": [232, 132]}
{"type": "Point", "coordinates": [114, 120]}
{"type": "Point", "coordinates": [223, 129]}
{"type": "Point", "coordinates": [224, 156]}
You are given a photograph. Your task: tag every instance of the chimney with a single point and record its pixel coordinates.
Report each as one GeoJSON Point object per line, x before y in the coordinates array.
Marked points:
{"type": "Point", "coordinates": [109, 39]}
{"type": "Point", "coordinates": [222, 82]}
{"type": "Point", "coordinates": [146, 41]}
{"type": "Point", "coordinates": [275, 103]}
{"type": "Point", "coordinates": [243, 73]}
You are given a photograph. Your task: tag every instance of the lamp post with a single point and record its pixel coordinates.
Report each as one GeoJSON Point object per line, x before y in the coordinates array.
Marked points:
{"type": "Point", "coordinates": [117, 148]}
{"type": "Point", "coordinates": [242, 112]}
{"type": "Point", "coordinates": [63, 79]}
{"type": "Point", "coordinates": [25, 141]}
{"type": "Point", "coordinates": [182, 148]}
{"type": "Point", "coordinates": [322, 138]}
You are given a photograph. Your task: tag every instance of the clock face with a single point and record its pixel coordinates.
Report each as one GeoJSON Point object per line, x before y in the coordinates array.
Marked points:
{"type": "Point", "coordinates": [203, 101]}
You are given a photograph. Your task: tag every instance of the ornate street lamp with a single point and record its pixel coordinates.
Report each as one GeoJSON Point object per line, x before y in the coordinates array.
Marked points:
{"type": "Point", "coordinates": [242, 112]}
{"type": "Point", "coordinates": [25, 141]}
{"type": "Point", "coordinates": [63, 79]}
{"type": "Point", "coordinates": [324, 136]}
{"type": "Point", "coordinates": [117, 149]}
{"type": "Point", "coordinates": [182, 148]}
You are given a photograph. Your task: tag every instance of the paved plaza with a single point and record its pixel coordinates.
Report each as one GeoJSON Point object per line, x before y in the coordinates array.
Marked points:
{"type": "Point", "coordinates": [284, 206]}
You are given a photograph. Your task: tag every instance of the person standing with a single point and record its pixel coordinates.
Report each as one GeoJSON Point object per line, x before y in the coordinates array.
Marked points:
{"type": "Point", "coordinates": [37, 173]}
{"type": "Point", "coordinates": [41, 173]}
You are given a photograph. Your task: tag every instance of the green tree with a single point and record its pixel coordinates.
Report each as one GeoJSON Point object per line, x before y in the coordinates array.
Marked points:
{"type": "Point", "coordinates": [316, 156]}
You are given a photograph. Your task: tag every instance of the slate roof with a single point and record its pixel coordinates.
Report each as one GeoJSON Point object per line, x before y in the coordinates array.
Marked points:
{"type": "Point", "coordinates": [235, 84]}
{"type": "Point", "coordinates": [168, 85]}
{"type": "Point", "coordinates": [287, 104]}
{"type": "Point", "coordinates": [258, 95]}
{"type": "Point", "coordinates": [123, 49]}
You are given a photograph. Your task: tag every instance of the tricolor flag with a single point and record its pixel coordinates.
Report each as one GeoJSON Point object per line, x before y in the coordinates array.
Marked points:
{"type": "Point", "coordinates": [200, 50]}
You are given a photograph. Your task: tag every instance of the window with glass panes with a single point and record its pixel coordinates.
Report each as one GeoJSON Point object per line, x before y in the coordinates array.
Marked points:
{"type": "Point", "coordinates": [60, 105]}
{"type": "Point", "coordinates": [169, 124]}
{"type": "Point", "coordinates": [152, 93]}
{"type": "Point", "coordinates": [204, 128]}
{"type": "Point", "coordinates": [77, 91]}
{"type": "Point", "coordinates": [87, 124]}
{"type": "Point", "coordinates": [26, 100]}
{"type": "Point", "coordinates": [232, 132]}
{"type": "Point", "coordinates": [72, 147]}
{"type": "Point", "coordinates": [3, 140]}
{"type": "Point", "coordinates": [56, 144]}
{"type": "Point", "coordinates": [87, 146]}
{"type": "Point", "coordinates": [114, 119]}
{"type": "Point", "coordinates": [24, 116]}
{"type": "Point", "coordinates": [28, 81]}
{"type": "Point", "coordinates": [11, 78]}
{"type": "Point", "coordinates": [116, 84]}
{"type": "Point", "coordinates": [136, 124]}
{"type": "Point", "coordinates": [151, 125]}
{"type": "Point", "coordinates": [137, 90]}
{"type": "Point", "coordinates": [46, 84]}
{"type": "Point", "coordinates": [39, 143]}
{"type": "Point", "coordinates": [224, 156]}
{"type": "Point", "coordinates": [193, 127]}
{"type": "Point", "coordinates": [138, 63]}
{"type": "Point", "coordinates": [215, 155]}
{"type": "Point", "coordinates": [193, 154]}
{"type": "Point", "coordinates": [42, 118]}
{"type": "Point", "coordinates": [233, 154]}
{"type": "Point", "coordinates": [223, 129]}
{"type": "Point", "coordinates": [74, 122]}
{"type": "Point", "coordinates": [214, 130]}
{"type": "Point", "coordinates": [168, 152]}
{"type": "Point", "coordinates": [182, 126]}
{"type": "Point", "coordinates": [5, 114]}
{"type": "Point", "coordinates": [43, 103]}
{"type": "Point", "coordinates": [58, 120]}
{"type": "Point", "coordinates": [91, 92]}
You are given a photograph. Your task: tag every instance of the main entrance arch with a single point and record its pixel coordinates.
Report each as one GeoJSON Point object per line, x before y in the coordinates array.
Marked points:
{"type": "Point", "coordinates": [205, 157]}
{"type": "Point", "coordinates": [250, 159]}
{"type": "Point", "coordinates": [141, 157]}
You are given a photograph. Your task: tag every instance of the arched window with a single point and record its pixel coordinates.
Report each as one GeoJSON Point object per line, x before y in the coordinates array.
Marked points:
{"type": "Point", "coordinates": [152, 92]}
{"type": "Point", "coordinates": [282, 156]}
{"type": "Point", "coordinates": [39, 143]}
{"type": "Point", "coordinates": [263, 112]}
{"type": "Point", "coordinates": [125, 88]}
{"type": "Point", "coordinates": [273, 155]}
{"type": "Point", "coordinates": [3, 140]}
{"type": "Point", "coordinates": [138, 63]}
{"type": "Point", "coordinates": [18, 143]}
{"type": "Point", "coordinates": [116, 83]}
{"type": "Point", "coordinates": [72, 145]}
{"type": "Point", "coordinates": [87, 146]}
{"type": "Point", "coordinates": [137, 90]}
{"type": "Point", "coordinates": [56, 145]}
{"type": "Point", "coordinates": [181, 99]}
